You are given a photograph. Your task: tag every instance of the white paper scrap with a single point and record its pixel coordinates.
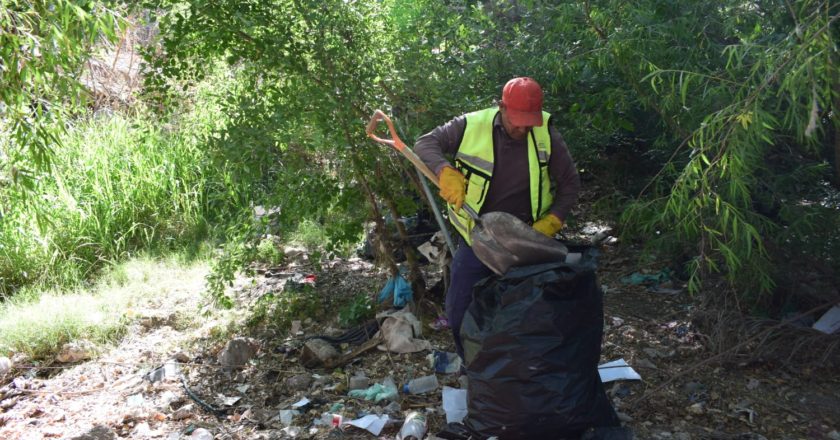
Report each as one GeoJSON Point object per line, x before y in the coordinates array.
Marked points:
{"type": "Point", "coordinates": [830, 321]}
{"type": "Point", "coordinates": [300, 403]}
{"type": "Point", "coordinates": [371, 423]}
{"type": "Point", "coordinates": [454, 404]}
{"type": "Point", "coordinates": [617, 370]}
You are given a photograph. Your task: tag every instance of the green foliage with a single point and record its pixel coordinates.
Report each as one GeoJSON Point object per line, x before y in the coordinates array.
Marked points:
{"type": "Point", "coordinates": [359, 309]}
{"type": "Point", "coordinates": [268, 251]}
{"type": "Point", "coordinates": [757, 102]}
{"type": "Point", "coordinates": [44, 48]}
{"type": "Point", "coordinates": [709, 127]}
{"type": "Point", "coordinates": [277, 310]}
{"type": "Point", "coordinates": [37, 323]}
{"type": "Point", "coordinates": [678, 105]}
{"type": "Point", "coordinates": [116, 187]}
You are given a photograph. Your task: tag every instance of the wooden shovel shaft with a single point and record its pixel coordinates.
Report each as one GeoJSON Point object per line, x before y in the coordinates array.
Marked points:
{"type": "Point", "coordinates": [409, 154]}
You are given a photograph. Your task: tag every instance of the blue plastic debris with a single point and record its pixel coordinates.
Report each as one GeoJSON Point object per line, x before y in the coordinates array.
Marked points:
{"type": "Point", "coordinates": [398, 287]}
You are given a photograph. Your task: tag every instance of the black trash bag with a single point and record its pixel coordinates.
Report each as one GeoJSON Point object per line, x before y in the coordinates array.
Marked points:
{"type": "Point", "coordinates": [532, 341]}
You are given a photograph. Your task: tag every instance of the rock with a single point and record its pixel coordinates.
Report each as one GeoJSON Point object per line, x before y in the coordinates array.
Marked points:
{"type": "Point", "coordinates": [295, 252]}
{"type": "Point", "coordinates": [237, 353]}
{"type": "Point", "coordinates": [142, 430]}
{"type": "Point", "coordinates": [359, 383]}
{"type": "Point", "coordinates": [183, 412]}
{"type": "Point", "coordinates": [98, 432]}
{"type": "Point", "coordinates": [300, 382]}
{"type": "Point", "coordinates": [181, 357]}
{"type": "Point", "coordinates": [5, 365]}
{"type": "Point", "coordinates": [317, 353]}
{"type": "Point", "coordinates": [296, 328]}
{"type": "Point", "coordinates": [624, 417]}
{"type": "Point", "coordinates": [644, 363]}
{"type": "Point", "coordinates": [76, 351]}
{"type": "Point", "coordinates": [201, 434]}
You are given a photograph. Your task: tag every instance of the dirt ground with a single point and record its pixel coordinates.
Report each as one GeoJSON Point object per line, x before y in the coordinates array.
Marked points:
{"type": "Point", "coordinates": [684, 393]}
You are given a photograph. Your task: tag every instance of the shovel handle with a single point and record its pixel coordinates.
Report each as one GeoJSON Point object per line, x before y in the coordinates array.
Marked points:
{"type": "Point", "coordinates": [409, 154]}
{"type": "Point", "coordinates": [398, 144]}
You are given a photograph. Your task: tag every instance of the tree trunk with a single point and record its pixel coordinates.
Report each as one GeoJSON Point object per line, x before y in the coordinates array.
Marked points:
{"type": "Point", "coordinates": [415, 277]}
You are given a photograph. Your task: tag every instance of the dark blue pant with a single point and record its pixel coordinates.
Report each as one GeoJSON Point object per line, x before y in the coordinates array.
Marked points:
{"type": "Point", "coordinates": [465, 271]}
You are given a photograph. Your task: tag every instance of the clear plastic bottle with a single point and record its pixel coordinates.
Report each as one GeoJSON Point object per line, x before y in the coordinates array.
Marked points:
{"type": "Point", "coordinates": [421, 385]}
{"type": "Point", "coordinates": [414, 427]}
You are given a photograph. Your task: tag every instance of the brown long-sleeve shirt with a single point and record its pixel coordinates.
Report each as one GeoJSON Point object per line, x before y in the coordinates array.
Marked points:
{"type": "Point", "coordinates": [510, 186]}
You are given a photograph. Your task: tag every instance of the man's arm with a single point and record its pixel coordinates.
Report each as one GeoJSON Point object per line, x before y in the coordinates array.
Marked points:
{"type": "Point", "coordinates": [434, 146]}
{"type": "Point", "coordinates": [562, 170]}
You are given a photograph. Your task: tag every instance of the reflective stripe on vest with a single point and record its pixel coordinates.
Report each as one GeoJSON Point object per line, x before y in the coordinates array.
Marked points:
{"type": "Point", "coordinates": [475, 161]}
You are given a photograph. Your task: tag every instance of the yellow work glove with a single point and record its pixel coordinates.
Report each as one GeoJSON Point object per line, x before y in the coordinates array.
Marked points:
{"type": "Point", "coordinates": [452, 186]}
{"type": "Point", "coordinates": [549, 225]}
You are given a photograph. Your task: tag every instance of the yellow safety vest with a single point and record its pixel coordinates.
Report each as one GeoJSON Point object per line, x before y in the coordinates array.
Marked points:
{"type": "Point", "coordinates": [475, 161]}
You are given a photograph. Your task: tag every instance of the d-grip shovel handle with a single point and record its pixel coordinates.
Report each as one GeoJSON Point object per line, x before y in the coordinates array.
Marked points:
{"type": "Point", "coordinates": [400, 146]}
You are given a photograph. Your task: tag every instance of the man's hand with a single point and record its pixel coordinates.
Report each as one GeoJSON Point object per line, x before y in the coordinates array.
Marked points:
{"type": "Point", "coordinates": [548, 225]}
{"type": "Point", "coordinates": [452, 187]}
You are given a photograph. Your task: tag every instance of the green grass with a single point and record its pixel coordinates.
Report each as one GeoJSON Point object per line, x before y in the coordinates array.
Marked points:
{"type": "Point", "coordinates": [118, 187]}
{"type": "Point", "coordinates": [37, 323]}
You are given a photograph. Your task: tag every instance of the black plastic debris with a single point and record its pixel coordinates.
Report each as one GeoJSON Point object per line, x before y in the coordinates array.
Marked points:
{"type": "Point", "coordinates": [532, 342]}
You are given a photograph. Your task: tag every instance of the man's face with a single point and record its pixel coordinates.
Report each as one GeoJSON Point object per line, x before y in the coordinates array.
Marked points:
{"type": "Point", "coordinates": [517, 132]}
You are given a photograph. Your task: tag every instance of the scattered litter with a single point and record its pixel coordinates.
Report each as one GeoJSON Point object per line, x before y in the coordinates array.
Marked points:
{"type": "Point", "coordinates": [439, 323]}
{"type": "Point", "coordinates": [652, 280]}
{"type": "Point", "coordinates": [371, 423]}
{"type": "Point", "coordinates": [5, 364]}
{"type": "Point", "coordinates": [617, 370]}
{"type": "Point", "coordinates": [401, 331]}
{"type": "Point", "coordinates": [435, 249]}
{"type": "Point", "coordinates": [444, 362]}
{"type": "Point", "coordinates": [286, 416]}
{"type": "Point", "coordinates": [398, 288]}
{"type": "Point", "coordinates": [301, 403]}
{"type": "Point", "coordinates": [243, 388]}
{"type": "Point", "coordinates": [386, 390]}
{"type": "Point", "coordinates": [414, 427]}
{"type": "Point", "coordinates": [421, 385]}
{"type": "Point", "coordinates": [226, 400]}
{"type": "Point", "coordinates": [830, 321]}
{"type": "Point", "coordinates": [454, 404]}
{"type": "Point", "coordinates": [292, 431]}
{"type": "Point", "coordinates": [168, 369]}
{"type": "Point", "coordinates": [359, 382]}
{"type": "Point", "coordinates": [743, 409]}
{"type": "Point", "coordinates": [135, 400]}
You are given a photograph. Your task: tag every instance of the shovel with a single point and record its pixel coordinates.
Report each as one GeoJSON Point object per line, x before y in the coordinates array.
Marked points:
{"type": "Point", "coordinates": [499, 240]}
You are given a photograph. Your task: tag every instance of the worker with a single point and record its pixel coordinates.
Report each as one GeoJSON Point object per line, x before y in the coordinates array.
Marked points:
{"type": "Point", "coordinates": [507, 158]}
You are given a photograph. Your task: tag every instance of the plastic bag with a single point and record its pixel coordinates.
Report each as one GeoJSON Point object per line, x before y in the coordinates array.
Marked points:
{"type": "Point", "coordinates": [532, 341]}
{"type": "Point", "coordinates": [399, 287]}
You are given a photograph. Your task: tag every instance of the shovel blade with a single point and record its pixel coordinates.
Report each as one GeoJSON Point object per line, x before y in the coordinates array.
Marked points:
{"type": "Point", "coordinates": [501, 241]}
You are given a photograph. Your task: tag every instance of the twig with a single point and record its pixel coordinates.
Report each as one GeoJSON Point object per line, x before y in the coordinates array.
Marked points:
{"type": "Point", "coordinates": [729, 350]}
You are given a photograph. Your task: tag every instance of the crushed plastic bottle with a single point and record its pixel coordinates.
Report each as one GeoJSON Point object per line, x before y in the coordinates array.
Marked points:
{"type": "Point", "coordinates": [421, 385]}
{"type": "Point", "coordinates": [414, 427]}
